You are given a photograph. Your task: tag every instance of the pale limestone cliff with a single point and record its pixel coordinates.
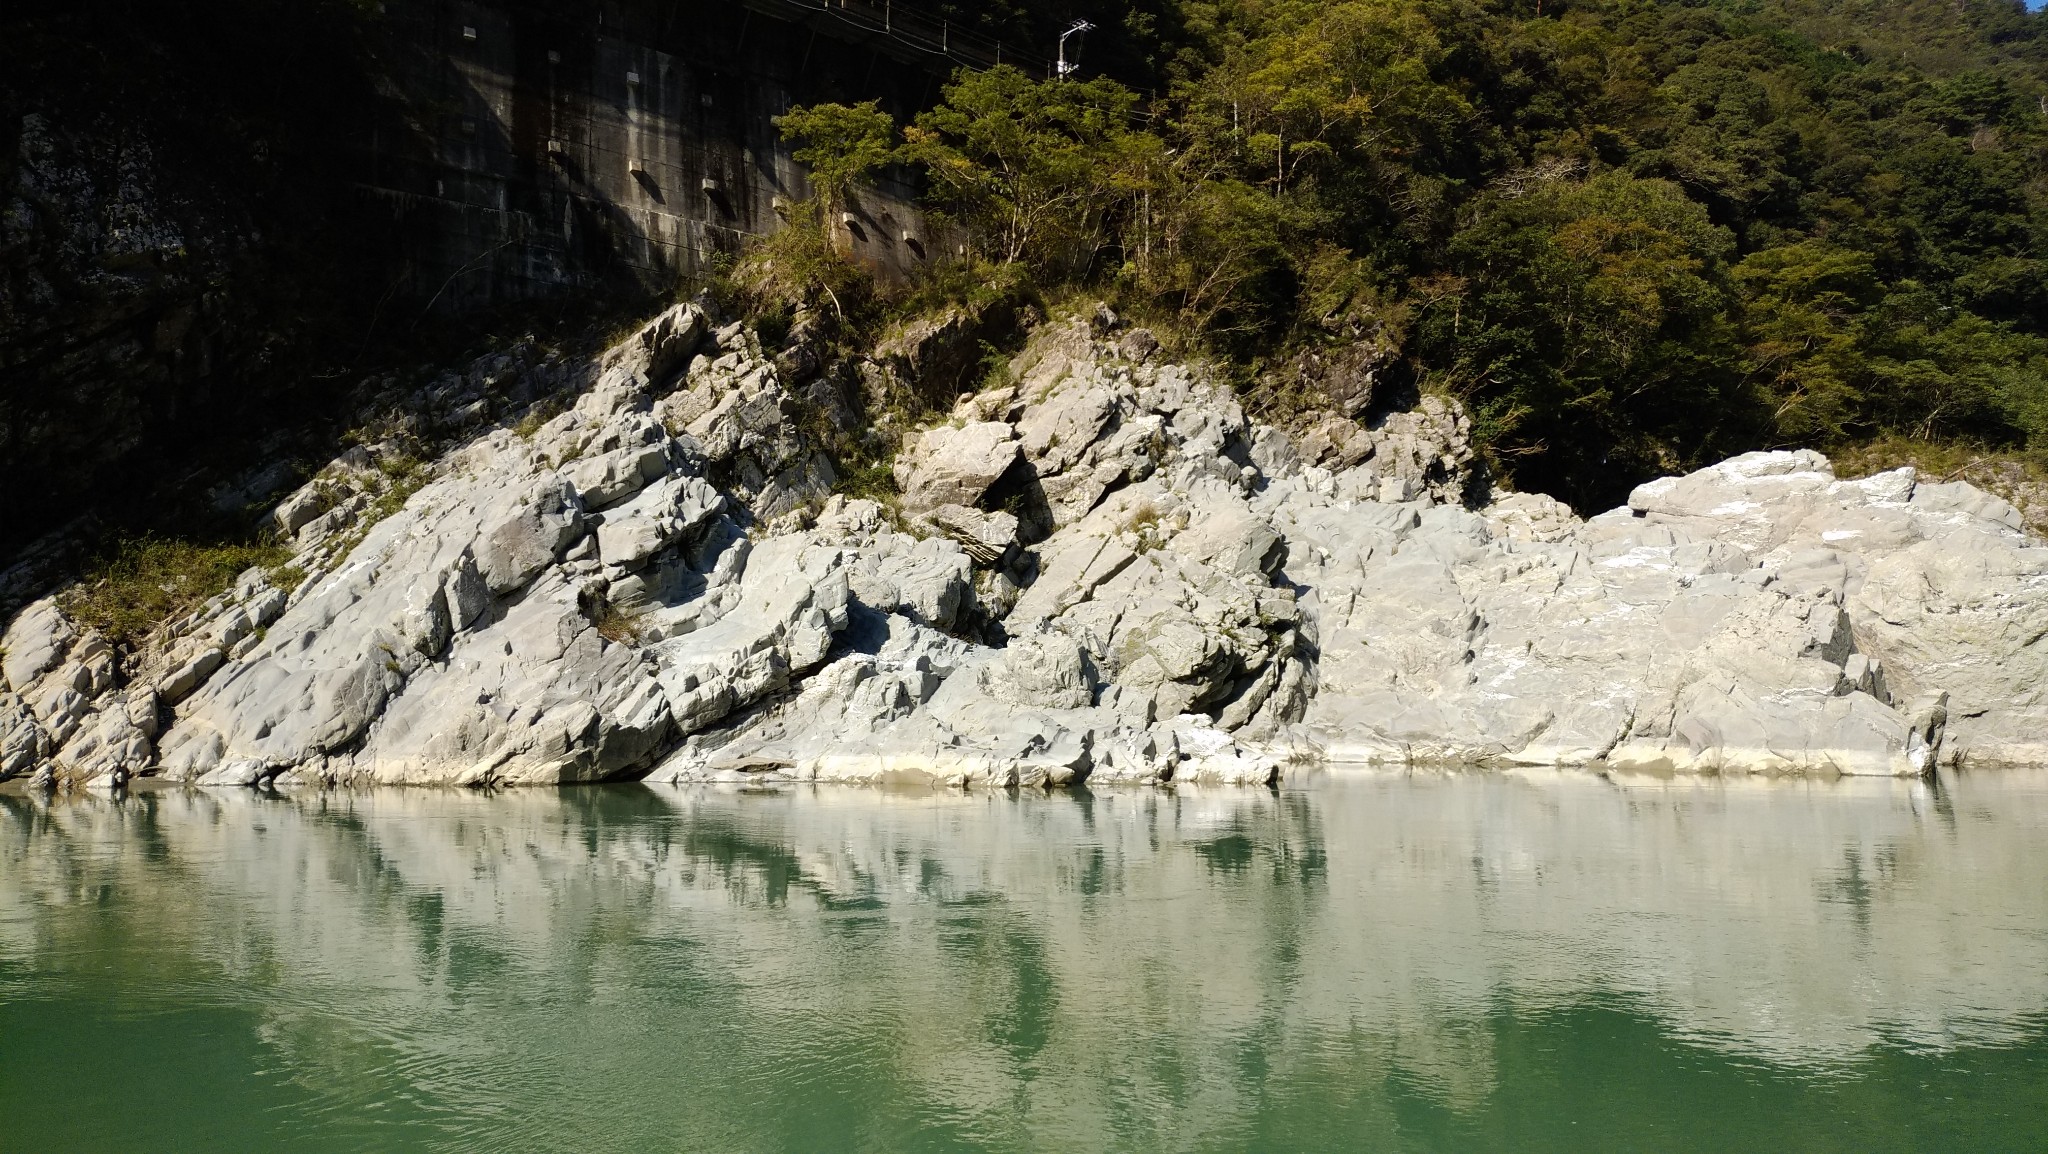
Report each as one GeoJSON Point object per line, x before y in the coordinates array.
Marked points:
{"type": "Point", "coordinates": [1100, 570]}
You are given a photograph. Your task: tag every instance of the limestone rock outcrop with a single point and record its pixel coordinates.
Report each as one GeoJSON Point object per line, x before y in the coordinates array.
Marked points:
{"type": "Point", "coordinates": [1749, 617]}
{"type": "Point", "coordinates": [1102, 570]}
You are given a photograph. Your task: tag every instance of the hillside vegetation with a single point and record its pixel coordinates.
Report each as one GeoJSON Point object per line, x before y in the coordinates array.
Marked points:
{"type": "Point", "coordinates": [1632, 236]}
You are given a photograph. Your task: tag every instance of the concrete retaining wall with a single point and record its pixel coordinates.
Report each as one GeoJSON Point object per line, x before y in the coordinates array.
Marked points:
{"type": "Point", "coordinates": [515, 155]}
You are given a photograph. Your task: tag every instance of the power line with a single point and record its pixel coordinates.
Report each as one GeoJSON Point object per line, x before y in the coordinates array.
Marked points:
{"type": "Point", "coordinates": [915, 30]}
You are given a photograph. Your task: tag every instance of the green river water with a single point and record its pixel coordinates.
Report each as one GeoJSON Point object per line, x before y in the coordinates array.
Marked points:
{"type": "Point", "coordinates": [1461, 961]}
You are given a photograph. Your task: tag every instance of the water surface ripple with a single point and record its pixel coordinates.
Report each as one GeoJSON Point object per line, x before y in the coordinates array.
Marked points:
{"type": "Point", "coordinates": [1378, 961]}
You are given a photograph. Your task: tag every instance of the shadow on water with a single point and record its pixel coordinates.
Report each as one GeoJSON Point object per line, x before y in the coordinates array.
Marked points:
{"type": "Point", "coordinates": [1415, 962]}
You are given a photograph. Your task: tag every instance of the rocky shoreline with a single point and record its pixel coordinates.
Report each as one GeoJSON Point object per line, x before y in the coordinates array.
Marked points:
{"type": "Point", "coordinates": [1100, 570]}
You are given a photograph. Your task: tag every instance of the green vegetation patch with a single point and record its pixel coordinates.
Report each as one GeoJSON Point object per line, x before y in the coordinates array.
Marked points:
{"type": "Point", "coordinates": [874, 480]}
{"type": "Point", "coordinates": [1630, 238]}
{"type": "Point", "coordinates": [145, 581]}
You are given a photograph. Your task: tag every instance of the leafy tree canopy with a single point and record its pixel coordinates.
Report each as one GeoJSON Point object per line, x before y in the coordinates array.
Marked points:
{"type": "Point", "coordinates": [1632, 234]}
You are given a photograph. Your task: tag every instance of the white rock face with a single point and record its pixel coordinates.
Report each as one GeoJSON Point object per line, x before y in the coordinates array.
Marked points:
{"type": "Point", "coordinates": [1723, 621]}
{"type": "Point", "coordinates": [955, 466]}
{"type": "Point", "coordinates": [1103, 571]}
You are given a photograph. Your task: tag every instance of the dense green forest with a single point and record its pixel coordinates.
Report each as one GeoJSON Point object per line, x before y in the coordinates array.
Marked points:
{"type": "Point", "coordinates": [1631, 235]}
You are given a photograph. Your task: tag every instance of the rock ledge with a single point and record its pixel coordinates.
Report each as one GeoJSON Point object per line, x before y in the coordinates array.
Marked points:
{"type": "Point", "coordinates": [1104, 571]}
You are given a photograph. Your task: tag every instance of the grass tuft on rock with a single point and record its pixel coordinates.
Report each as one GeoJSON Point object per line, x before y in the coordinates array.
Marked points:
{"type": "Point", "coordinates": [873, 480]}
{"type": "Point", "coordinates": [142, 582]}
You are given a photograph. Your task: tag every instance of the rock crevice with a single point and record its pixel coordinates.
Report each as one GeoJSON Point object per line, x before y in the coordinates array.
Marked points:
{"type": "Point", "coordinates": [1101, 570]}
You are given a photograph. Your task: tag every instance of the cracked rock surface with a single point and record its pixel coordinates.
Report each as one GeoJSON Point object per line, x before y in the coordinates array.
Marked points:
{"type": "Point", "coordinates": [1103, 570]}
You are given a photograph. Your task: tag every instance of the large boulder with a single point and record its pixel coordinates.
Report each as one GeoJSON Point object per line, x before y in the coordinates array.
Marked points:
{"type": "Point", "coordinates": [34, 643]}
{"type": "Point", "coordinates": [934, 357]}
{"type": "Point", "coordinates": [949, 465]}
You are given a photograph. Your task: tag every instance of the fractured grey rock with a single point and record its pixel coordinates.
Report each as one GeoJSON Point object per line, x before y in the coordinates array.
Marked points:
{"type": "Point", "coordinates": [180, 682]}
{"type": "Point", "coordinates": [456, 642]}
{"type": "Point", "coordinates": [22, 742]}
{"type": "Point", "coordinates": [35, 642]}
{"type": "Point", "coordinates": [955, 466]}
{"type": "Point", "coordinates": [528, 537]}
{"type": "Point", "coordinates": [656, 583]}
{"type": "Point", "coordinates": [987, 537]}
{"type": "Point", "coordinates": [467, 593]}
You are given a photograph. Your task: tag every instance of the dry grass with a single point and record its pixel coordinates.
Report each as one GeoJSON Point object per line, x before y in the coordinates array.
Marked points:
{"type": "Point", "coordinates": [538, 414]}
{"type": "Point", "coordinates": [143, 582]}
{"type": "Point", "coordinates": [1144, 524]}
{"type": "Point", "coordinates": [605, 617]}
{"type": "Point", "coordinates": [615, 626]}
{"type": "Point", "coordinates": [2020, 480]}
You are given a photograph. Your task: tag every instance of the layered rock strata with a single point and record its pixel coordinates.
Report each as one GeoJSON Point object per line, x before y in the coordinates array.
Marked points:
{"type": "Point", "coordinates": [1102, 570]}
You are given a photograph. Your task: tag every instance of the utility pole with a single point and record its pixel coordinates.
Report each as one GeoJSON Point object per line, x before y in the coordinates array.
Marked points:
{"type": "Point", "coordinates": [1061, 69]}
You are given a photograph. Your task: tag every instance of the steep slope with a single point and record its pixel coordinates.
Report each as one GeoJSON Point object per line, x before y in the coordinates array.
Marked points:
{"type": "Point", "coordinates": [1103, 570]}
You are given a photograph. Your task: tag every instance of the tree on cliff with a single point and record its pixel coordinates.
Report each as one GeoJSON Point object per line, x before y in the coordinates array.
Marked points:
{"type": "Point", "coordinates": [1632, 236]}
{"type": "Point", "coordinates": [840, 144]}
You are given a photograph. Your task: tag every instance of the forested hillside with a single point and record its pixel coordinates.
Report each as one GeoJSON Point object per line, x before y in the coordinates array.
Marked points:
{"type": "Point", "coordinates": [1632, 236]}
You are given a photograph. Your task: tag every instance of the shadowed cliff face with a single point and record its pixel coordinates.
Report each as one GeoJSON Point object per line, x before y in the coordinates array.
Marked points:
{"type": "Point", "coordinates": [172, 246]}
{"type": "Point", "coordinates": [1036, 967]}
{"type": "Point", "coordinates": [215, 217]}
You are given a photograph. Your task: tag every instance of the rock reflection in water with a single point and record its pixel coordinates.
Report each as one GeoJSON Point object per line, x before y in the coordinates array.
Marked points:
{"type": "Point", "coordinates": [1146, 964]}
